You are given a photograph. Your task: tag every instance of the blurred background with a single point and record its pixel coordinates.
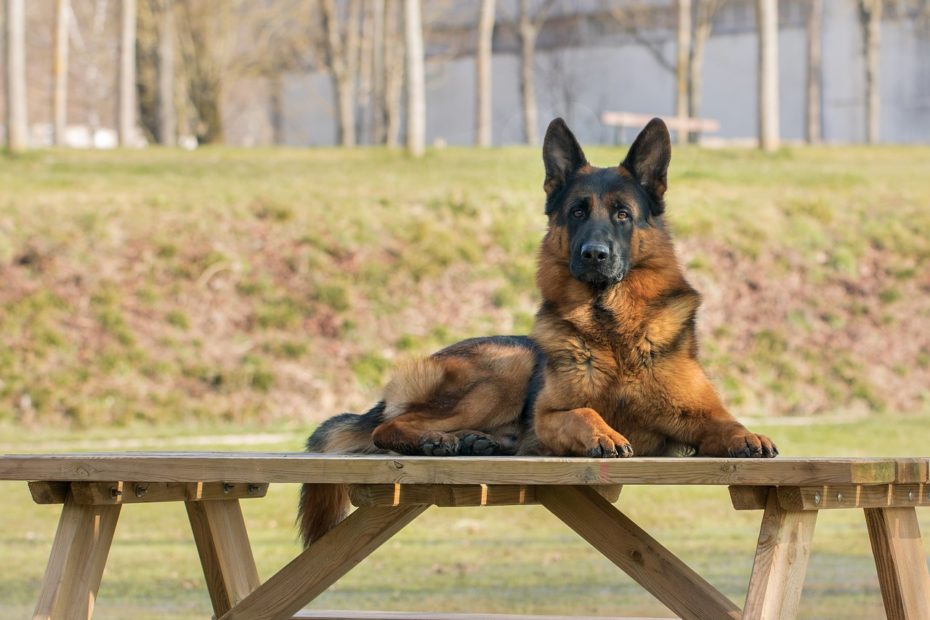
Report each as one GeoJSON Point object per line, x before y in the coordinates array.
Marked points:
{"type": "Point", "coordinates": [166, 284]}
{"type": "Point", "coordinates": [224, 221]}
{"type": "Point", "coordinates": [314, 74]}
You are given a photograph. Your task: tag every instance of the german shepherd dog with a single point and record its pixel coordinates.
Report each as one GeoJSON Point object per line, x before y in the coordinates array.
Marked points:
{"type": "Point", "coordinates": [610, 367]}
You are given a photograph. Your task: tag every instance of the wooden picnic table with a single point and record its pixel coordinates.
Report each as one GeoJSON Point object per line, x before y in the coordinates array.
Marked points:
{"type": "Point", "coordinates": [391, 491]}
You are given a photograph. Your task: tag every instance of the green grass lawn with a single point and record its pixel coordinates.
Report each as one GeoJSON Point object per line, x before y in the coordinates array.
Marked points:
{"type": "Point", "coordinates": [282, 285]}
{"type": "Point", "coordinates": [478, 560]}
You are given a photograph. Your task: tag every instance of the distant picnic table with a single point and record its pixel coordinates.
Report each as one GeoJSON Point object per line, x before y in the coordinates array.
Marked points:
{"type": "Point", "coordinates": [391, 491]}
{"type": "Point", "coordinates": [621, 121]}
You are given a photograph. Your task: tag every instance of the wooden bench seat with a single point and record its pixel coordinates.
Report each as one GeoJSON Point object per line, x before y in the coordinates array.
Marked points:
{"type": "Point", "coordinates": [621, 121]}
{"type": "Point", "coordinates": [391, 491]}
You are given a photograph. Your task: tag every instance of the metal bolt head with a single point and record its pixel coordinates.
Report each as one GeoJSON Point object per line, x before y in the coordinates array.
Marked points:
{"type": "Point", "coordinates": [140, 490]}
{"type": "Point", "coordinates": [115, 492]}
{"type": "Point", "coordinates": [228, 487]}
{"type": "Point", "coordinates": [253, 489]}
{"type": "Point", "coordinates": [817, 498]}
{"type": "Point", "coordinates": [910, 496]}
{"type": "Point", "coordinates": [839, 498]}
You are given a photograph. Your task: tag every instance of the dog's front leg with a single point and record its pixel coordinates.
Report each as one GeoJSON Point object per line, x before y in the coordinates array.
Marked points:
{"type": "Point", "coordinates": [698, 418]}
{"type": "Point", "coordinates": [578, 432]}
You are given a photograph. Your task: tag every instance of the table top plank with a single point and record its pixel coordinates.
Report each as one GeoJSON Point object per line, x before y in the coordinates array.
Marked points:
{"type": "Point", "coordinates": [294, 467]}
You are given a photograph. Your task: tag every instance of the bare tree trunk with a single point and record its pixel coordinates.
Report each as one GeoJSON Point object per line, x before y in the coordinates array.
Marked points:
{"type": "Point", "coordinates": [394, 70]}
{"type": "Point", "coordinates": [813, 131]}
{"type": "Point", "coordinates": [96, 90]}
{"type": "Point", "coordinates": [167, 114]}
{"type": "Point", "coordinates": [276, 92]}
{"type": "Point", "coordinates": [60, 72]}
{"type": "Point", "coordinates": [483, 55]}
{"type": "Point", "coordinates": [682, 71]}
{"type": "Point", "coordinates": [767, 22]}
{"type": "Point", "coordinates": [870, 12]}
{"type": "Point", "coordinates": [377, 72]}
{"type": "Point", "coordinates": [527, 32]}
{"type": "Point", "coordinates": [365, 77]}
{"type": "Point", "coordinates": [17, 128]}
{"type": "Point", "coordinates": [126, 106]}
{"type": "Point", "coordinates": [342, 61]}
{"type": "Point", "coordinates": [416, 89]}
{"type": "Point", "coordinates": [703, 14]}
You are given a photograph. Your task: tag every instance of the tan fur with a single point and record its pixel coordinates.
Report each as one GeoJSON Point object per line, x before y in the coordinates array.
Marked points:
{"type": "Point", "coordinates": [414, 381]}
{"type": "Point", "coordinates": [613, 372]}
{"type": "Point", "coordinates": [440, 399]}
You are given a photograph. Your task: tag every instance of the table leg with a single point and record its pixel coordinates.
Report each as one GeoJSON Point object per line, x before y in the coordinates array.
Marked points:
{"type": "Point", "coordinates": [624, 543]}
{"type": "Point", "coordinates": [324, 562]}
{"type": "Point", "coordinates": [781, 561]}
{"type": "Point", "coordinates": [224, 549]}
{"type": "Point", "coordinates": [75, 565]}
{"type": "Point", "coordinates": [899, 558]}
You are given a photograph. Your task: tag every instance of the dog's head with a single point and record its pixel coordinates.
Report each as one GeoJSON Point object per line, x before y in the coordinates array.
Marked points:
{"type": "Point", "coordinates": [606, 215]}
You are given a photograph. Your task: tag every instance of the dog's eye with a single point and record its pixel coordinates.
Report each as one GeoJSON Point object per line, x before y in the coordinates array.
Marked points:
{"type": "Point", "coordinates": [622, 215]}
{"type": "Point", "coordinates": [578, 213]}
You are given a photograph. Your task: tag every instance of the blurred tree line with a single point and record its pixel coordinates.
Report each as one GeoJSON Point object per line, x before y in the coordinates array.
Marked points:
{"type": "Point", "coordinates": [171, 60]}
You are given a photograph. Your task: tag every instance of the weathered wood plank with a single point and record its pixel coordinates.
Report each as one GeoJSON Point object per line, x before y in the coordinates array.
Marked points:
{"type": "Point", "coordinates": [323, 563]}
{"type": "Point", "coordinates": [899, 558]}
{"type": "Point", "coordinates": [912, 470]}
{"type": "Point", "coordinates": [146, 492]}
{"type": "Point", "coordinates": [224, 549]}
{"type": "Point", "coordinates": [76, 562]}
{"type": "Point", "coordinates": [455, 494]}
{"type": "Point", "coordinates": [427, 615]}
{"type": "Point", "coordinates": [625, 544]}
{"type": "Point", "coordinates": [829, 497]}
{"type": "Point", "coordinates": [780, 563]}
{"type": "Point", "coordinates": [300, 467]}
{"type": "Point", "coordinates": [749, 498]}
{"type": "Point", "coordinates": [49, 492]}
{"type": "Point", "coordinates": [109, 493]}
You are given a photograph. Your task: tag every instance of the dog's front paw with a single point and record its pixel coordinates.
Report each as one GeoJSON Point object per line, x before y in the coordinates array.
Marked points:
{"type": "Point", "coordinates": [609, 447]}
{"type": "Point", "coordinates": [439, 444]}
{"type": "Point", "coordinates": [738, 443]}
{"type": "Point", "coordinates": [476, 443]}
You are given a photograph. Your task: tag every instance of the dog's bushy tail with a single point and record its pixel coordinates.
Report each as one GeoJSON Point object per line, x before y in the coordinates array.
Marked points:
{"type": "Point", "coordinates": [322, 506]}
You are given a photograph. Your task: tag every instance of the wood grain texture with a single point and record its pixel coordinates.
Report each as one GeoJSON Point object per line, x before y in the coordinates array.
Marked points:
{"type": "Point", "coordinates": [913, 469]}
{"type": "Point", "coordinates": [625, 544]}
{"type": "Point", "coordinates": [749, 498]}
{"type": "Point", "coordinates": [781, 562]}
{"type": "Point", "coordinates": [455, 495]}
{"type": "Point", "coordinates": [49, 492]}
{"type": "Point", "coordinates": [224, 550]}
{"type": "Point", "coordinates": [831, 497]}
{"type": "Point", "coordinates": [339, 614]}
{"type": "Point", "coordinates": [355, 469]}
{"type": "Point", "coordinates": [75, 566]}
{"type": "Point", "coordinates": [109, 493]}
{"type": "Point", "coordinates": [323, 563]}
{"type": "Point", "coordinates": [899, 559]}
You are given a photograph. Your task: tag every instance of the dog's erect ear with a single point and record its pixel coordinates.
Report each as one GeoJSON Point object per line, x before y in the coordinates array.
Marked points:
{"type": "Point", "coordinates": [562, 155]}
{"type": "Point", "coordinates": [648, 161]}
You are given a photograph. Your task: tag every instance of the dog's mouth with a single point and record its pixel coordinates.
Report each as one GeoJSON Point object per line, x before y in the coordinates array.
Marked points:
{"type": "Point", "coordinates": [599, 277]}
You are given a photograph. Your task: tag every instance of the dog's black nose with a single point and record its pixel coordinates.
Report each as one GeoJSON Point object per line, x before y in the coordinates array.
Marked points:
{"type": "Point", "coordinates": [595, 253]}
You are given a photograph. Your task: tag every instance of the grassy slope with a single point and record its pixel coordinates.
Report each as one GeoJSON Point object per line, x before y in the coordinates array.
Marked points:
{"type": "Point", "coordinates": [491, 560]}
{"type": "Point", "coordinates": [259, 286]}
